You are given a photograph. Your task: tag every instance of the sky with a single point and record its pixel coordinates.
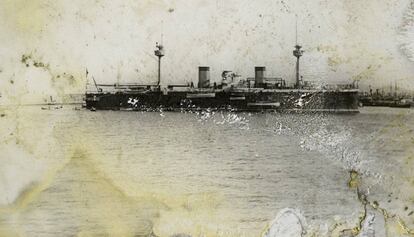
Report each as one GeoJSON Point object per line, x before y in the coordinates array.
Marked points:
{"type": "Point", "coordinates": [47, 45]}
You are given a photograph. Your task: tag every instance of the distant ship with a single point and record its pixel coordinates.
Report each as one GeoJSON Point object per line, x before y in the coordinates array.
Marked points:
{"type": "Point", "coordinates": [231, 94]}
{"type": "Point", "coordinates": [382, 99]}
{"type": "Point", "coordinates": [386, 102]}
{"type": "Point", "coordinates": [52, 104]}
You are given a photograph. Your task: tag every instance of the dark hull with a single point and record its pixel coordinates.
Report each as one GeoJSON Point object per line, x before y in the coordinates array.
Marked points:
{"type": "Point", "coordinates": [247, 100]}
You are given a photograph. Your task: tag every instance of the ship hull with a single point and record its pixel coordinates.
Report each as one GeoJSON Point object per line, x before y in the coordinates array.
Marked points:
{"type": "Point", "coordinates": [345, 101]}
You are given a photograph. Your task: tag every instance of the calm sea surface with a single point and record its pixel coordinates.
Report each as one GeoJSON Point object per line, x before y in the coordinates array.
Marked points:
{"type": "Point", "coordinates": [113, 173]}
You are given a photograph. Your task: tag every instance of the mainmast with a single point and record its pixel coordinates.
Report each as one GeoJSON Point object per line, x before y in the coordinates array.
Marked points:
{"type": "Point", "coordinates": [159, 52]}
{"type": "Point", "coordinates": [298, 52]}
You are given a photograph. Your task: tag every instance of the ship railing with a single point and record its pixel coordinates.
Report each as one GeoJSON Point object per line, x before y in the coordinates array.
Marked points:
{"type": "Point", "coordinates": [270, 82]}
{"type": "Point", "coordinates": [128, 85]}
{"type": "Point", "coordinates": [124, 87]}
{"type": "Point", "coordinates": [268, 79]}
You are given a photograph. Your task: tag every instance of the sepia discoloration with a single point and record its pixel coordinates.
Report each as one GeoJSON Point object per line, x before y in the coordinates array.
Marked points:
{"type": "Point", "coordinates": [27, 17]}
{"type": "Point", "coordinates": [239, 35]}
{"type": "Point", "coordinates": [406, 31]}
{"type": "Point", "coordinates": [48, 45]}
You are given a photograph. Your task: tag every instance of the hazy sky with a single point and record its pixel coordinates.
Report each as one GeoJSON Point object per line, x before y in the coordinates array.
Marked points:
{"type": "Point", "coordinates": [370, 40]}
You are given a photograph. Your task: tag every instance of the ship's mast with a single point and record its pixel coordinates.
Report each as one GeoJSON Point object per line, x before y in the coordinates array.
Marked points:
{"type": "Point", "coordinates": [297, 53]}
{"type": "Point", "coordinates": [159, 52]}
{"type": "Point", "coordinates": [395, 88]}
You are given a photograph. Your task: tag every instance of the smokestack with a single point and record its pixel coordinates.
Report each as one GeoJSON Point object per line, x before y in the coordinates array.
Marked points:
{"type": "Point", "coordinates": [259, 76]}
{"type": "Point", "coordinates": [203, 77]}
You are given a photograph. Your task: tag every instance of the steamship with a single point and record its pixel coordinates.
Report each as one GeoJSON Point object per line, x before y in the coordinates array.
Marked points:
{"type": "Point", "coordinates": [260, 93]}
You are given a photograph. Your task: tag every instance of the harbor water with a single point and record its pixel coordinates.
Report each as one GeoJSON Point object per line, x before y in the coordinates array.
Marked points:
{"type": "Point", "coordinates": [68, 172]}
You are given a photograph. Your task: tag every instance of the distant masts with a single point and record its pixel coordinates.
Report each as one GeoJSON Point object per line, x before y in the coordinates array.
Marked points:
{"type": "Point", "coordinates": [159, 52]}
{"type": "Point", "coordinates": [298, 52]}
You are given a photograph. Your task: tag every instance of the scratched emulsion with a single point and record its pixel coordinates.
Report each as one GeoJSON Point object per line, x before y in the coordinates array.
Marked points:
{"type": "Point", "coordinates": [407, 32]}
{"type": "Point", "coordinates": [77, 173]}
